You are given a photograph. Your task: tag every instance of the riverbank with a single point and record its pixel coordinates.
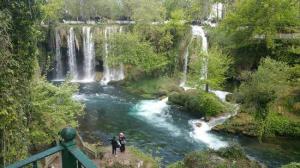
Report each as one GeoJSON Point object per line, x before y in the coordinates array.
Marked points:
{"type": "Point", "coordinates": [151, 88]}
{"type": "Point", "coordinates": [233, 156]}
{"type": "Point", "coordinates": [132, 157]}
{"type": "Point", "coordinates": [245, 124]}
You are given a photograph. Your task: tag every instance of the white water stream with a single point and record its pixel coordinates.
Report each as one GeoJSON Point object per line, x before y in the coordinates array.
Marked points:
{"type": "Point", "coordinates": [58, 57]}
{"type": "Point", "coordinates": [115, 73]}
{"type": "Point", "coordinates": [89, 55]}
{"type": "Point", "coordinates": [72, 61]}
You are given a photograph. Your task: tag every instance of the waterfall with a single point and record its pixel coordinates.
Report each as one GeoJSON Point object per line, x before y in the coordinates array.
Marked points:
{"type": "Point", "coordinates": [89, 55]}
{"type": "Point", "coordinates": [115, 73]}
{"type": "Point", "coordinates": [185, 67]}
{"type": "Point", "coordinates": [199, 32]}
{"type": "Point", "coordinates": [72, 55]}
{"type": "Point", "coordinates": [58, 57]}
{"type": "Point", "coordinates": [216, 11]}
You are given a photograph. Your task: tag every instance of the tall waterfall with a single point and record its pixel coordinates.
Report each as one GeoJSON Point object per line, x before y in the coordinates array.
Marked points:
{"type": "Point", "coordinates": [216, 11]}
{"type": "Point", "coordinates": [89, 55]}
{"type": "Point", "coordinates": [72, 62]}
{"type": "Point", "coordinates": [115, 73]}
{"type": "Point", "coordinates": [58, 57]}
{"type": "Point", "coordinates": [185, 67]}
{"type": "Point", "coordinates": [199, 32]}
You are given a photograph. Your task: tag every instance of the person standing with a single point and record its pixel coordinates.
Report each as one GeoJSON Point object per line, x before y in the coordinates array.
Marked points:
{"type": "Point", "coordinates": [115, 145]}
{"type": "Point", "coordinates": [122, 140]}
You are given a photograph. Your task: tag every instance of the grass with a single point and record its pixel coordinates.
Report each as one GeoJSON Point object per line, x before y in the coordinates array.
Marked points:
{"type": "Point", "coordinates": [153, 88]}
{"type": "Point", "coordinates": [149, 161]}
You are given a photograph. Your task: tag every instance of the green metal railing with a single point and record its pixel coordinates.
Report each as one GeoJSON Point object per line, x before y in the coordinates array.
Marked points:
{"type": "Point", "coordinates": [72, 157]}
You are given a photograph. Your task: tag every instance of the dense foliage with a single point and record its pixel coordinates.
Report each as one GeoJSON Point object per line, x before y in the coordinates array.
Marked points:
{"type": "Point", "coordinates": [256, 45]}
{"type": "Point", "coordinates": [271, 94]}
{"type": "Point", "coordinates": [254, 19]}
{"type": "Point", "coordinates": [32, 110]}
{"type": "Point", "coordinates": [232, 156]}
{"type": "Point", "coordinates": [214, 67]}
{"type": "Point", "coordinates": [138, 10]}
{"type": "Point", "coordinates": [199, 103]}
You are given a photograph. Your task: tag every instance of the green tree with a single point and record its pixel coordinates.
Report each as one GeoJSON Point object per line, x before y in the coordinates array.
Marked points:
{"type": "Point", "coordinates": [17, 70]}
{"type": "Point", "coordinates": [209, 69]}
{"type": "Point", "coordinates": [52, 108]}
{"type": "Point", "coordinates": [22, 97]}
{"type": "Point", "coordinates": [251, 20]}
{"type": "Point", "coordinates": [52, 10]}
{"type": "Point", "coordinates": [128, 49]}
{"type": "Point", "coordinates": [263, 86]}
{"type": "Point", "coordinates": [144, 10]}
{"type": "Point", "coordinates": [198, 9]}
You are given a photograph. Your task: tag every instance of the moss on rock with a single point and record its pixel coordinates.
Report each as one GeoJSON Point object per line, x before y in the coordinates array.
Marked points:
{"type": "Point", "coordinates": [199, 103]}
{"type": "Point", "coordinates": [242, 123]}
{"type": "Point", "coordinates": [232, 156]}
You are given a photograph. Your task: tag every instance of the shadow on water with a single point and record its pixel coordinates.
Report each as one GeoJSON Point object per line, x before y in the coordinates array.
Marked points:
{"type": "Point", "coordinates": [163, 130]}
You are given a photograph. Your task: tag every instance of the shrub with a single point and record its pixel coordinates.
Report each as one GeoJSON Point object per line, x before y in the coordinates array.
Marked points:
{"type": "Point", "coordinates": [203, 103]}
{"type": "Point", "coordinates": [210, 104]}
{"type": "Point", "coordinates": [292, 165]}
{"type": "Point", "coordinates": [234, 152]}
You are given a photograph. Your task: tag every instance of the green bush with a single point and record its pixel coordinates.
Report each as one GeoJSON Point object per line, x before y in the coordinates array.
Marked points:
{"type": "Point", "coordinates": [291, 165]}
{"type": "Point", "coordinates": [206, 104]}
{"type": "Point", "coordinates": [179, 164]}
{"type": "Point", "coordinates": [210, 104]}
{"type": "Point", "coordinates": [278, 124]}
{"type": "Point", "coordinates": [235, 151]}
{"type": "Point", "coordinates": [230, 157]}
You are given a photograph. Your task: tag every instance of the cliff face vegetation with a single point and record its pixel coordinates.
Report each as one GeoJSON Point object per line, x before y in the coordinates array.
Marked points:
{"type": "Point", "coordinates": [184, 50]}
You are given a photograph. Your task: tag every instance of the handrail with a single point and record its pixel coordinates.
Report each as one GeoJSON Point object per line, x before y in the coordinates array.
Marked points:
{"type": "Point", "coordinates": [36, 157]}
{"type": "Point", "coordinates": [71, 155]}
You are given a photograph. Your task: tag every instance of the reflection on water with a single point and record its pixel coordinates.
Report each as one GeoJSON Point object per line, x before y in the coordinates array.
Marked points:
{"type": "Point", "coordinates": [165, 131]}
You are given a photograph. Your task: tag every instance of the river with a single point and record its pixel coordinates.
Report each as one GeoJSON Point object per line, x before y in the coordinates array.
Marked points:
{"type": "Point", "coordinates": [164, 130]}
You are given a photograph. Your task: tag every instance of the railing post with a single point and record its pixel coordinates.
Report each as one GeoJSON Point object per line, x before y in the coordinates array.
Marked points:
{"type": "Point", "coordinates": [68, 160]}
{"type": "Point", "coordinates": [72, 157]}
{"type": "Point", "coordinates": [34, 164]}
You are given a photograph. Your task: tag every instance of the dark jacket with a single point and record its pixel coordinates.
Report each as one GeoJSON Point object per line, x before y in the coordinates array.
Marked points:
{"type": "Point", "coordinates": [114, 143]}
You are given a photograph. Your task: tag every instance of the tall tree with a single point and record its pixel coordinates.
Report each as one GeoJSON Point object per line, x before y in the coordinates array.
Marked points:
{"type": "Point", "coordinates": [16, 75]}
{"type": "Point", "coordinates": [256, 19]}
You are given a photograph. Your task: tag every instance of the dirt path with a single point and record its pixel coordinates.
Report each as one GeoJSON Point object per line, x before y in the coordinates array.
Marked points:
{"type": "Point", "coordinates": [125, 159]}
{"type": "Point", "coordinates": [129, 159]}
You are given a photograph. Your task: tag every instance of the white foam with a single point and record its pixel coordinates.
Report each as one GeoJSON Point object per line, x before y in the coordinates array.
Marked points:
{"type": "Point", "coordinates": [201, 133]}
{"type": "Point", "coordinates": [156, 113]}
{"type": "Point", "coordinates": [80, 97]}
{"type": "Point", "coordinates": [220, 94]}
{"type": "Point", "coordinates": [58, 80]}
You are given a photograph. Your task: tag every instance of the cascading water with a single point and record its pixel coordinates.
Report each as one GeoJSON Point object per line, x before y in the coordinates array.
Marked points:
{"type": "Point", "coordinates": [156, 112]}
{"type": "Point", "coordinates": [185, 67]}
{"type": "Point", "coordinates": [216, 11]}
{"type": "Point", "coordinates": [58, 57]}
{"type": "Point", "coordinates": [201, 133]}
{"type": "Point", "coordinates": [72, 55]}
{"type": "Point", "coordinates": [201, 128]}
{"type": "Point", "coordinates": [115, 73]}
{"type": "Point", "coordinates": [89, 55]}
{"type": "Point", "coordinates": [199, 32]}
